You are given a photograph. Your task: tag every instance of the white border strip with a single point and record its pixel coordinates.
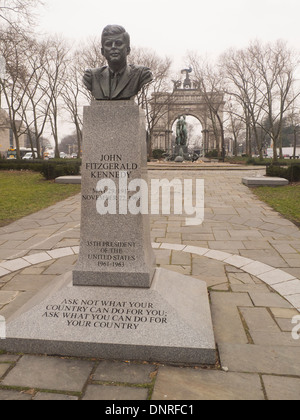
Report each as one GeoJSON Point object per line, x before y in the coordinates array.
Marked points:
{"type": "Point", "coordinates": [282, 282]}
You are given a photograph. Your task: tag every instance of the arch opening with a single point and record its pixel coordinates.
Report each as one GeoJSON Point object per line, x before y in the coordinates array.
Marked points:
{"type": "Point", "coordinates": [194, 134]}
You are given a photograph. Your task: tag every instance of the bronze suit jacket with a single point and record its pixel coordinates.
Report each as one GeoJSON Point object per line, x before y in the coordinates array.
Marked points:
{"type": "Point", "coordinates": [131, 82]}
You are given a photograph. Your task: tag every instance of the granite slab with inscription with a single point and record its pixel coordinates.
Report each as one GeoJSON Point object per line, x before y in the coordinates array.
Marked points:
{"type": "Point", "coordinates": [115, 245]}
{"type": "Point", "coordinates": [170, 322]}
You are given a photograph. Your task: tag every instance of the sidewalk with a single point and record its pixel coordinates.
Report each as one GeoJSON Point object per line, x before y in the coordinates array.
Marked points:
{"type": "Point", "coordinates": [248, 255]}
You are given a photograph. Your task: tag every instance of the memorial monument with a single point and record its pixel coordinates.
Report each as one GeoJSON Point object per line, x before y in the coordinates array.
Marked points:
{"type": "Point", "coordinates": [115, 248]}
{"type": "Point", "coordinates": [116, 304]}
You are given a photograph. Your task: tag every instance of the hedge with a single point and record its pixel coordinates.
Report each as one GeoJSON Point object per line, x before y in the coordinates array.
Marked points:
{"type": "Point", "coordinates": [21, 165]}
{"type": "Point", "coordinates": [292, 173]}
{"type": "Point", "coordinates": [54, 169]}
{"type": "Point", "coordinates": [50, 169]}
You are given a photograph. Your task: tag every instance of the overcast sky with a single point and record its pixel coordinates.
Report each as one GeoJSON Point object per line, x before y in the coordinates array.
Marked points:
{"type": "Point", "coordinates": [172, 27]}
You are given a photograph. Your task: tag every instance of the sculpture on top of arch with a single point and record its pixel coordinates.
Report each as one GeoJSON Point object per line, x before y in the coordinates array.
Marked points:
{"type": "Point", "coordinates": [185, 99]}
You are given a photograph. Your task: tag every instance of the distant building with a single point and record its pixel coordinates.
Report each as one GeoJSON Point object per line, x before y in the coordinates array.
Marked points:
{"type": "Point", "coordinates": [288, 152]}
{"type": "Point", "coordinates": [6, 135]}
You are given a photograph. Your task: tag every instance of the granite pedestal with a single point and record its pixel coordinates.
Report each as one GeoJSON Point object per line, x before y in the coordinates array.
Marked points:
{"type": "Point", "coordinates": [115, 245]}
{"type": "Point", "coordinates": [170, 322]}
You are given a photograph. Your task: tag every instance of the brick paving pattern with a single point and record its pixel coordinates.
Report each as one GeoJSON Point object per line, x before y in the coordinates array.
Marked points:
{"type": "Point", "coordinates": [247, 253]}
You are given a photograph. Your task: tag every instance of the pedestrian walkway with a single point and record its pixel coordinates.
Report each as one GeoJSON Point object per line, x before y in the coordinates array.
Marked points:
{"type": "Point", "coordinates": [249, 257]}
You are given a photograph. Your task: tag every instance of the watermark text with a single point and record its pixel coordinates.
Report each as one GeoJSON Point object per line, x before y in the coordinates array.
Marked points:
{"type": "Point", "coordinates": [296, 329]}
{"type": "Point", "coordinates": [165, 197]}
{"type": "Point", "coordinates": [2, 328]}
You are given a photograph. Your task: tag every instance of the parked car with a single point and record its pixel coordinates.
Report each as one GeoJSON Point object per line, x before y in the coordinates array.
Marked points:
{"type": "Point", "coordinates": [63, 155]}
{"type": "Point", "coordinates": [29, 156]}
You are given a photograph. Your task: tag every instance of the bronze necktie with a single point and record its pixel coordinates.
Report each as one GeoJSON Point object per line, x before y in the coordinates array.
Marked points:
{"type": "Point", "coordinates": [113, 83]}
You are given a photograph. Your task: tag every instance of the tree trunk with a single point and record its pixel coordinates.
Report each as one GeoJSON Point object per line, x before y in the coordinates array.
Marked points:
{"type": "Point", "coordinates": [295, 142]}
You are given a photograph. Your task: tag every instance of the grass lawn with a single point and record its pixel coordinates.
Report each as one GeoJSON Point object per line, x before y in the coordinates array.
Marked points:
{"type": "Point", "coordinates": [285, 200]}
{"type": "Point", "coordinates": [24, 193]}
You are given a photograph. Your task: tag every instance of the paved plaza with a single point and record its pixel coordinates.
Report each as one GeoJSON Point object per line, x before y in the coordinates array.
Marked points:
{"type": "Point", "coordinates": [249, 257]}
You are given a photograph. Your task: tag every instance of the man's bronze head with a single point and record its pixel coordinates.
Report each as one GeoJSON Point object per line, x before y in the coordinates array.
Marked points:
{"type": "Point", "coordinates": [112, 30]}
{"type": "Point", "coordinates": [115, 46]}
{"type": "Point", "coordinates": [118, 80]}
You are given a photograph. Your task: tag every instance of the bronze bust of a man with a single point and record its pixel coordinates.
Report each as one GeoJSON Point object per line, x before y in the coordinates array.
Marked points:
{"type": "Point", "coordinates": [118, 80]}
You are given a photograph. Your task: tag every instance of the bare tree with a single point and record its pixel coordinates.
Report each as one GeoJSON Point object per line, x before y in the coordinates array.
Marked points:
{"type": "Point", "coordinates": [35, 108]}
{"type": "Point", "coordinates": [153, 98]}
{"type": "Point", "coordinates": [210, 81]}
{"type": "Point", "coordinates": [55, 76]}
{"type": "Point", "coordinates": [293, 119]}
{"type": "Point", "coordinates": [244, 85]}
{"type": "Point", "coordinates": [236, 125]}
{"type": "Point", "coordinates": [16, 12]}
{"type": "Point", "coordinates": [73, 94]}
{"type": "Point", "coordinates": [16, 47]}
{"type": "Point", "coordinates": [260, 78]}
{"type": "Point", "coordinates": [276, 66]}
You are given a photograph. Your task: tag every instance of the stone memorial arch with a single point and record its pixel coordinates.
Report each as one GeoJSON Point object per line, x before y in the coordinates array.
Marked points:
{"type": "Point", "coordinates": [186, 99]}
